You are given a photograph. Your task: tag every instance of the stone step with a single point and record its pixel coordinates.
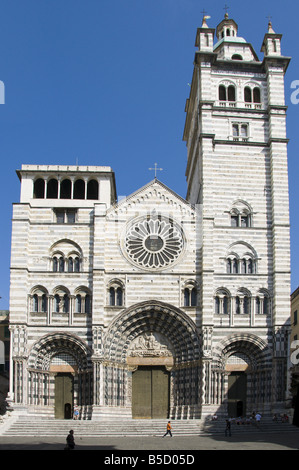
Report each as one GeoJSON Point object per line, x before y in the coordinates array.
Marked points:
{"type": "Point", "coordinates": [25, 426]}
{"type": "Point", "coordinates": [37, 426]}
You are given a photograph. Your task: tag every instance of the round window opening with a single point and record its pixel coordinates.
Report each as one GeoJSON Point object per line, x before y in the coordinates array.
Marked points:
{"type": "Point", "coordinates": [154, 242]}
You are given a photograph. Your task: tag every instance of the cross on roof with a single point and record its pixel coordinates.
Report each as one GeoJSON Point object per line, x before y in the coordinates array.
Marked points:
{"type": "Point", "coordinates": [156, 169]}
{"type": "Point", "coordinates": [226, 8]}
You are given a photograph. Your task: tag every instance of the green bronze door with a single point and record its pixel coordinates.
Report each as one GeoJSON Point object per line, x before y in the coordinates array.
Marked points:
{"type": "Point", "coordinates": [237, 386]}
{"type": "Point", "coordinates": [63, 396]}
{"type": "Point", "coordinates": [150, 393]}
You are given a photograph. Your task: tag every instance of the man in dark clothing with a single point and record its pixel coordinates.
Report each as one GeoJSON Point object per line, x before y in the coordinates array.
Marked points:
{"type": "Point", "coordinates": [70, 441]}
{"type": "Point", "coordinates": [227, 429]}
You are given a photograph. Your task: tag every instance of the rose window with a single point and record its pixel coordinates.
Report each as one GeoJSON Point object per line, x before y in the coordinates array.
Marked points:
{"type": "Point", "coordinates": [154, 242]}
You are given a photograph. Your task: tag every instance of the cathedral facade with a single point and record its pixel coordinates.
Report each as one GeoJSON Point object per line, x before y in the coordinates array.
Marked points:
{"type": "Point", "coordinates": [158, 306]}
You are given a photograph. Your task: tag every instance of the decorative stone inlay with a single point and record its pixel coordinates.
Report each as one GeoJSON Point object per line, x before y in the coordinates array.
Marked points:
{"type": "Point", "coordinates": [154, 242]}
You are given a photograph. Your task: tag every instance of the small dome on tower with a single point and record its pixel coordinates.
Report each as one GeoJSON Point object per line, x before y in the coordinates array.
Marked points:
{"type": "Point", "coordinates": [227, 28]}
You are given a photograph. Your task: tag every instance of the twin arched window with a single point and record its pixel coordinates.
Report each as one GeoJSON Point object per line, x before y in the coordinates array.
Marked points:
{"type": "Point", "coordinates": [227, 93]}
{"type": "Point", "coordinates": [116, 293]}
{"type": "Point", "coordinates": [241, 216]}
{"type": "Point", "coordinates": [252, 95]}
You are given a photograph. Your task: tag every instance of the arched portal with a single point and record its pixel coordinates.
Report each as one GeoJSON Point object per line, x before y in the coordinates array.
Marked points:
{"type": "Point", "coordinates": [152, 336]}
{"type": "Point", "coordinates": [60, 375]}
{"type": "Point", "coordinates": [241, 375]}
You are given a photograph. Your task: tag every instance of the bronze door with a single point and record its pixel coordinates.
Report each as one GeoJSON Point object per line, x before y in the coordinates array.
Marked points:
{"type": "Point", "coordinates": [237, 387]}
{"type": "Point", "coordinates": [63, 396]}
{"type": "Point", "coordinates": [150, 393]}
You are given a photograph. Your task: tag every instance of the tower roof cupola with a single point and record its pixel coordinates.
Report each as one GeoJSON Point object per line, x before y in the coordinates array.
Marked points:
{"type": "Point", "coordinates": [227, 28]}
{"type": "Point", "coordinates": [229, 45]}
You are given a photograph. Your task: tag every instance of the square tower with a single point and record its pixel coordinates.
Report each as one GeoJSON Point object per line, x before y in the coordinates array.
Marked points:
{"type": "Point", "coordinates": [237, 171]}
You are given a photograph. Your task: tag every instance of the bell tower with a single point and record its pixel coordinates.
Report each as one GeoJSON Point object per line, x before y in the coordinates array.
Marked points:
{"type": "Point", "coordinates": [235, 133]}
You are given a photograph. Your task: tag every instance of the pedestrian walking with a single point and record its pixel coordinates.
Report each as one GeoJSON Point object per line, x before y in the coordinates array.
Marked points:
{"type": "Point", "coordinates": [70, 441]}
{"type": "Point", "coordinates": [168, 429]}
{"type": "Point", "coordinates": [227, 428]}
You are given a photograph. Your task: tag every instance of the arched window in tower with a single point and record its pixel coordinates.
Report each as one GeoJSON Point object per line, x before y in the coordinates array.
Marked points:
{"type": "Point", "coordinates": [66, 303]}
{"type": "Point", "coordinates": [87, 303]}
{"type": "Point", "coordinates": [70, 265]}
{"type": "Point", "coordinates": [35, 303]}
{"type": "Point", "coordinates": [238, 305]}
{"type": "Point", "coordinates": [229, 266]}
{"type": "Point", "coordinates": [256, 95]}
{"type": "Point", "coordinates": [231, 93]}
{"type": "Point", "coordinates": [262, 302]}
{"type": "Point", "coordinates": [93, 190]}
{"type": "Point", "coordinates": [246, 305]}
{"type": "Point", "coordinates": [252, 94]}
{"type": "Point", "coordinates": [237, 57]}
{"type": "Point", "coordinates": [235, 266]}
{"type": "Point", "coordinates": [77, 265]}
{"type": "Point", "coordinates": [225, 305]}
{"type": "Point", "coordinates": [79, 189]}
{"type": "Point", "coordinates": [247, 94]}
{"type": "Point", "coordinates": [55, 264]}
{"type": "Point", "coordinates": [258, 305]}
{"type": "Point", "coordinates": [65, 189]}
{"type": "Point", "coordinates": [52, 189]}
{"type": "Point", "coordinates": [56, 303]}
{"type": "Point", "coordinates": [222, 93]}
{"type": "Point", "coordinates": [250, 266]}
{"type": "Point", "coordinates": [217, 305]}
{"type": "Point", "coordinates": [44, 303]}
{"type": "Point", "coordinates": [61, 264]}
{"type": "Point", "coordinates": [111, 296]}
{"type": "Point", "coordinates": [78, 303]}
{"type": "Point", "coordinates": [39, 189]}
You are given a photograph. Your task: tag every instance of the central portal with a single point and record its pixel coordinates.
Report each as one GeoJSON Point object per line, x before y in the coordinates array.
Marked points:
{"type": "Point", "coordinates": [150, 392]}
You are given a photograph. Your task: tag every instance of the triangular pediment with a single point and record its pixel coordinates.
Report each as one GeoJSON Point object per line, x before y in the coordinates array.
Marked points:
{"type": "Point", "coordinates": [155, 195]}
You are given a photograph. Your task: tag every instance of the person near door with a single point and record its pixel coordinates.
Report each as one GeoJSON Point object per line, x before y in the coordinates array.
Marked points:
{"type": "Point", "coordinates": [168, 429]}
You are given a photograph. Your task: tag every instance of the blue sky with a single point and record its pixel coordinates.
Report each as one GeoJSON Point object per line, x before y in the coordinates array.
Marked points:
{"type": "Point", "coordinates": [104, 82]}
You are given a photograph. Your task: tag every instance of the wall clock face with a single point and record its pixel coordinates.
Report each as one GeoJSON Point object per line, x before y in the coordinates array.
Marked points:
{"type": "Point", "coordinates": [153, 242]}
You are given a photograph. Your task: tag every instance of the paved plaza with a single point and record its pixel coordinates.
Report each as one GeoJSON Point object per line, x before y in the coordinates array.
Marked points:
{"type": "Point", "coordinates": [145, 445]}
